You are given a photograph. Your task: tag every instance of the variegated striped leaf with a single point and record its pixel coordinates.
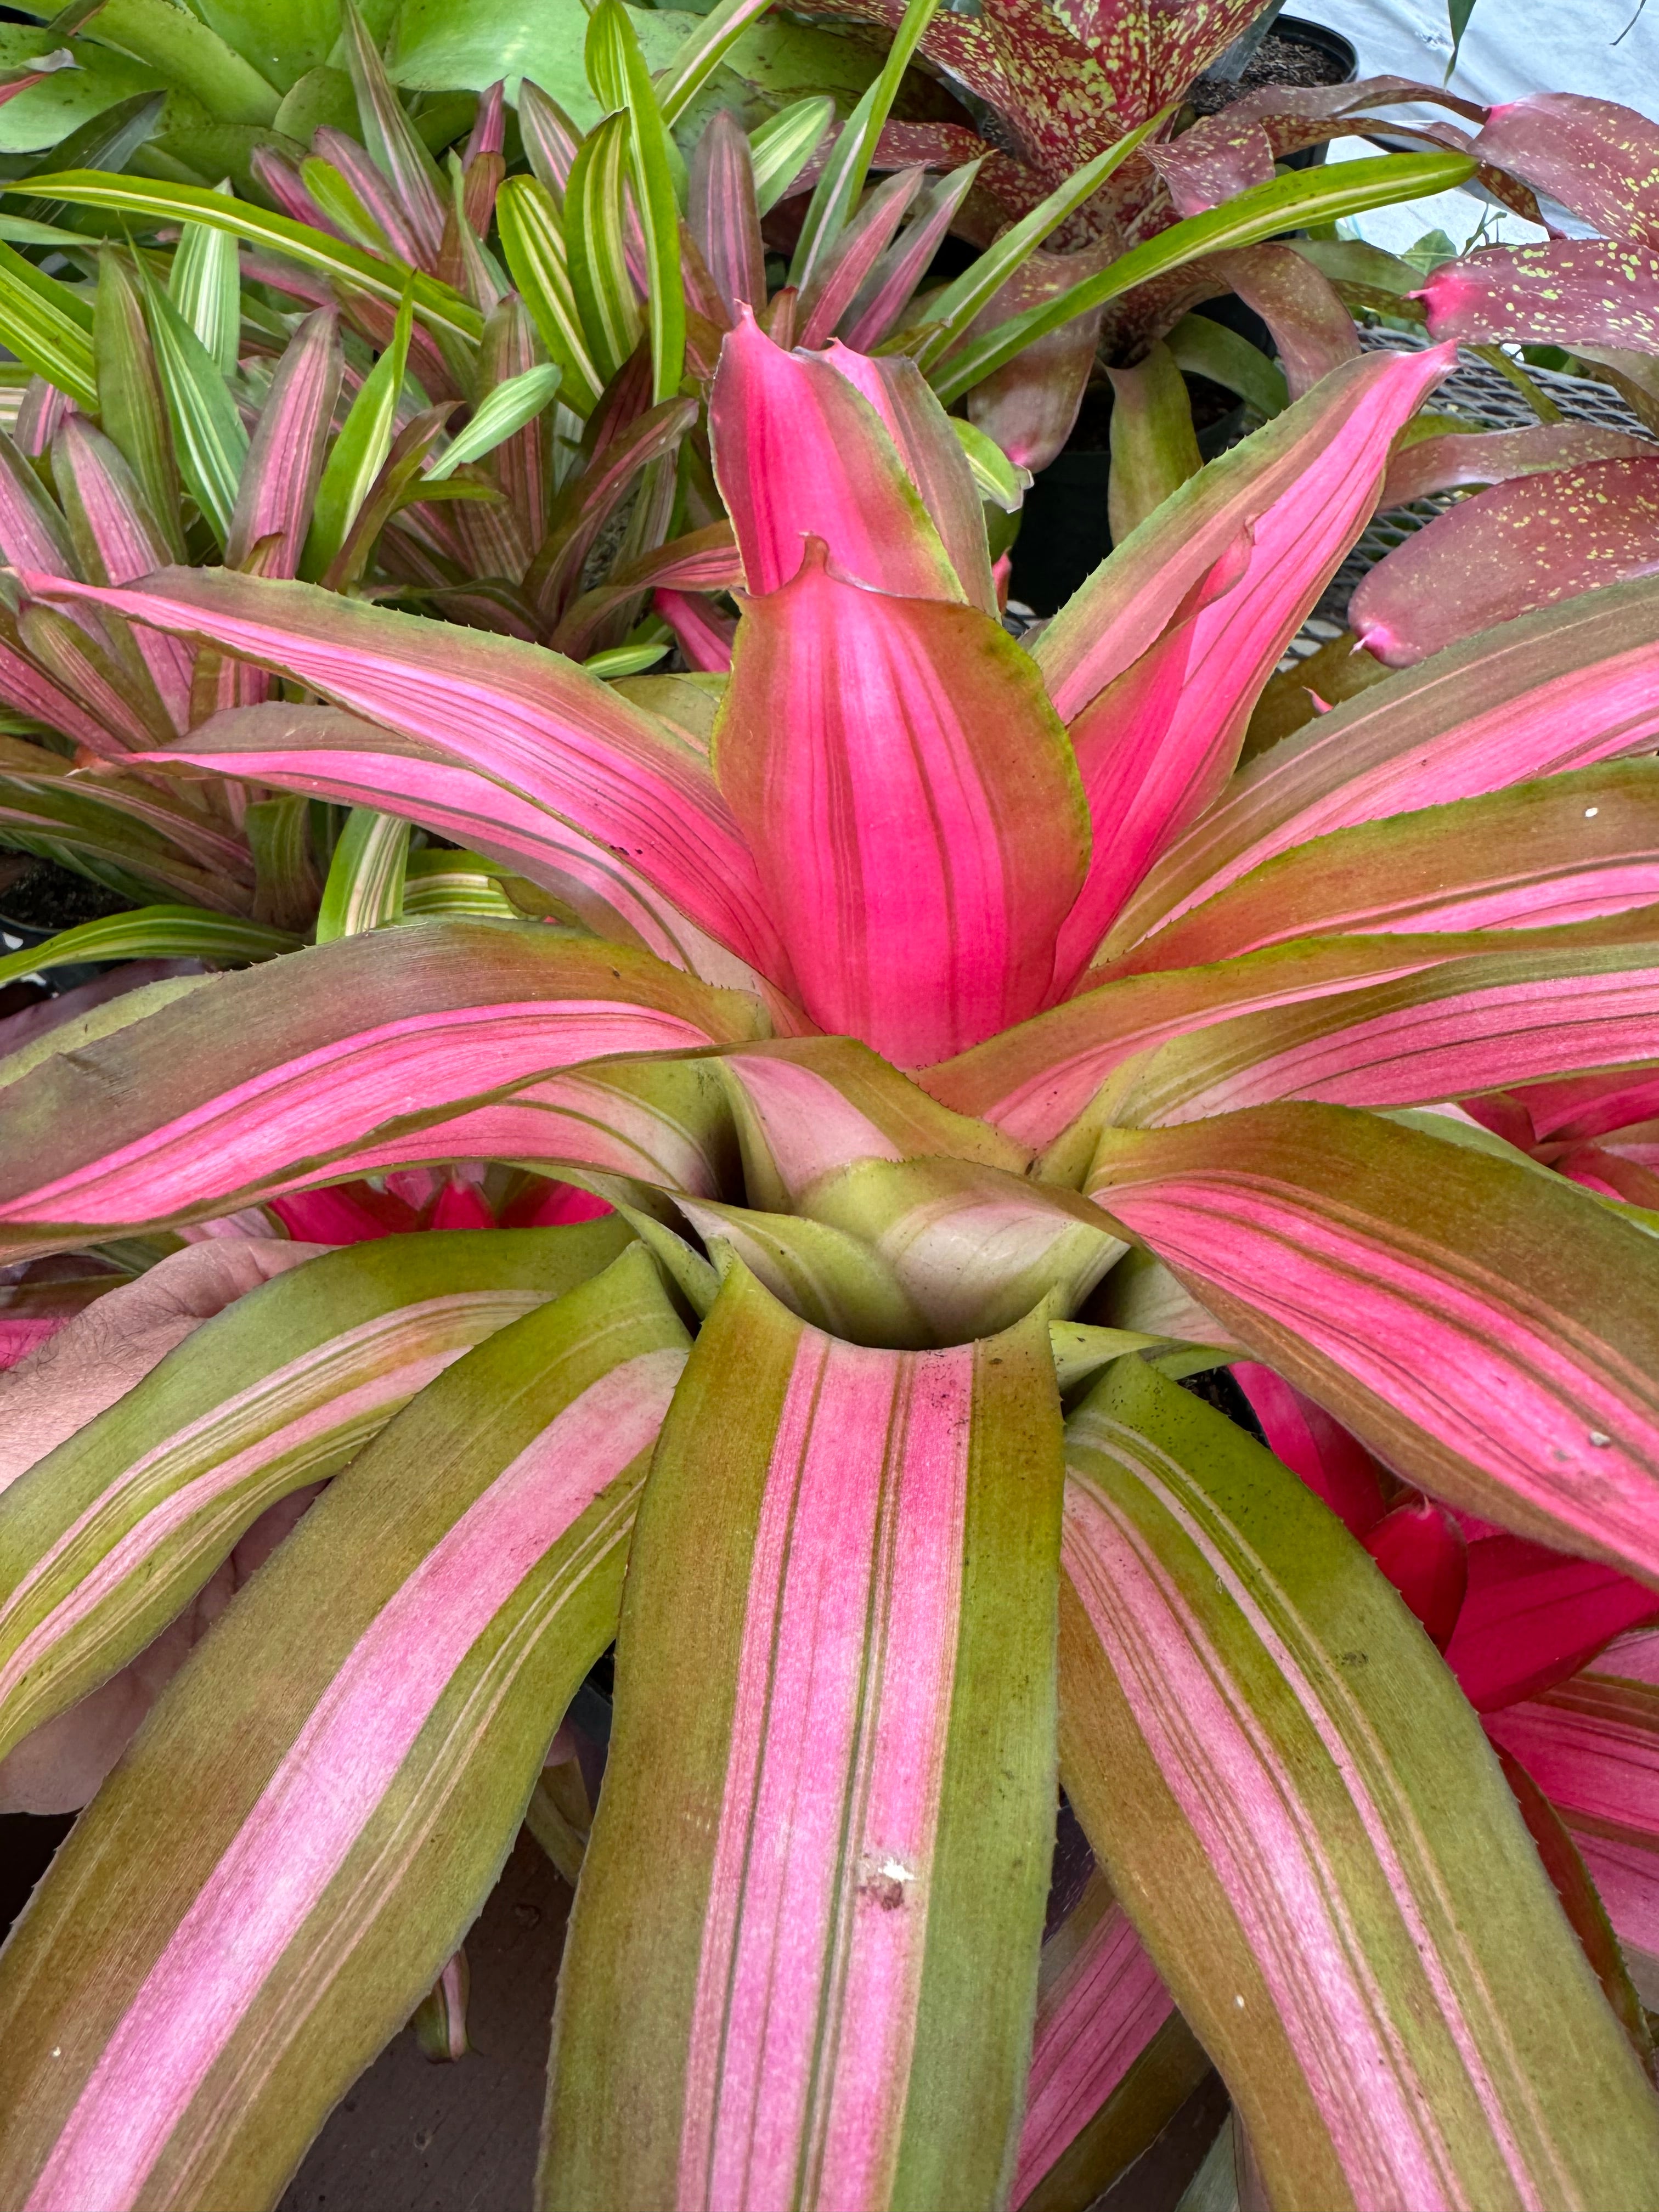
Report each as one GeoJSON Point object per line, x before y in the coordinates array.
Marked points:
{"type": "Point", "coordinates": [1112, 2060]}
{"type": "Point", "coordinates": [1300, 1813]}
{"type": "Point", "coordinates": [594, 237]}
{"type": "Point", "coordinates": [356, 1741]}
{"type": "Point", "coordinates": [1489, 1330]}
{"type": "Point", "coordinates": [803, 1961]}
{"type": "Point", "coordinates": [176, 1118]}
{"type": "Point", "coordinates": [103, 1541]}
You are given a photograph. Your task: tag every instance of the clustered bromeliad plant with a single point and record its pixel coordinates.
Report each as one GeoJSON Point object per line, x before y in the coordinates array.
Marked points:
{"type": "Point", "coordinates": [964, 1051]}
{"type": "Point", "coordinates": [444, 386]}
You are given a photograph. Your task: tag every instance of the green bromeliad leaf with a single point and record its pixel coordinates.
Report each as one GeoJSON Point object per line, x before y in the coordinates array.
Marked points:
{"type": "Point", "coordinates": [152, 204]}
{"type": "Point", "coordinates": [152, 933]}
{"type": "Point", "coordinates": [1299, 1809]}
{"type": "Point", "coordinates": [803, 1960]}
{"type": "Point", "coordinates": [356, 1740]}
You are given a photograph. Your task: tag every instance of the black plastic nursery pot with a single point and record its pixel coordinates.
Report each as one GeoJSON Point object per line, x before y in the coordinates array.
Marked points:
{"type": "Point", "coordinates": [38, 899]}
{"type": "Point", "coordinates": [1064, 532]}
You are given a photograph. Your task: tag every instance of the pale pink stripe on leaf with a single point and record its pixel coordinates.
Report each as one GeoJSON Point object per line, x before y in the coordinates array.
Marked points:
{"type": "Point", "coordinates": [330, 1783]}
{"type": "Point", "coordinates": [832, 1784]}
{"type": "Point", "coordinates": [1092, 2026]}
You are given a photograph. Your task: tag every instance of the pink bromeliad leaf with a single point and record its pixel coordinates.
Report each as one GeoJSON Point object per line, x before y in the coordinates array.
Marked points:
{"type": "Point", "coordinates": [723, 215]}
{"type": "Point", "coordinates": [1421, 1550]}
{"type": "Point", "coordinates": [1592, 1745]}
{"type": "Point", "coordinates": [285, 458]}
{"type": "Point", "coordinates": [539, 723]}
{"type": "Point", "coordinates": [1531, 1618]}
{"type": "Point", "coordinates": [932, 457]}
{"type": "Point", "coordinates": [1036, 1081]}
{"type": "Point", "coordinates": [799, 451]}
{"type": "Point", "coordinates": [117, 539]}
{"type": "Point", "coordinates": [1560, 850]}
{"type": "Point", "coordinates": [357, 1740]}
{"type": "Point", "coordinates": [833, 1747]}
{"type": "Point", "coordinates": [1562, 688]}
{"type": "Point", "coordinates": [704, 633]}
{"type": "Point", "coordinates": [1528, 1616]}
{"type": "Point", "coordinates": [104, 1539]}
{"type": "Point", "coordinates": [439, 1017]}
{"type": "Point", "coordinates": [1586, 1915]}
{"type": "Point", "coordinates": [1475, 1323]}
{"type": "Point", "coordinates": [1502, 1018]}
{"type": "Point", "coordinates": [331, 755]}
{"type": "Point", "coordinates": [918, 861]}
{"type": "Point", "coordinates": [1301, 487]}
{"type": "Point", "coordinates": [1293, 1799]}
{"type": "Point", "coordinates": [1111, 2059]}
{"type": "Point", "coordinates": [1523, 544]}
{"type": "Point", "coordinates": [1156, 662]}
{"type": "Point", "coordinates": [1334, 1465]}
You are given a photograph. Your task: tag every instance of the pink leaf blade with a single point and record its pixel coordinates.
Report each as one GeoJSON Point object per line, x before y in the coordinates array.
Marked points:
{"type": "Point", "coordinates": [864, 749]}
{"type": "Point", "coordinates": [799, 453]}
{"type": "Point", "coordinates": [118, 539]}
{"type": "Point", "coordinates": [105, 1538]}
{"type": "Point", "coordinates": [1334, 1465]}
{"type": "Point", "coordinates": [705, 636]}
{"type": "Point", "coordinates": [723, 215]}
{"type": "Point", "coordinates": [285, 460]}
{"type": "Point", "coordinates": [894, 279]}
{"type": "Point", "coordinates": [1034, 1080]}
{"type": "Point", "coordinates": [278, 1072]}
{"type": "Point", "coordinates": [1156, 744]}
{"type": "Point", "coordinates": [839, 274]}
{"type": "Point", "coordinates": [933, 460]}
{"type": "Point", "coordinates": [1490, 1022]}
{"type": "Point", "coordinates": [331, 755]}
{"type": "Point", "coordinates": [1421, 1550]}
{"type": "Point", "coordinates": [1530, 1618]}
{"type": "Point", "coordinates": [1304, 487]}
{"type": "Point", "coordinates": [567, 740]}
{"type": "Point", "coordinates": [332, 1727]}
{"type": "Point", "coordinates": [1457, 457]}
{"type": "Point", "coordinates": [1414, 1287]}
{"type": "Point", "coordinates": [1545, 854]}
{"type": "Point", "coordinates": [834, 1767]}
{"type": "Point", "coordinates": [1289, 1828]}
{"type": "Point", "coordinates": [1559, 690]}
{"type": "Point", "coordinates": [1594, 1739]}
{"type": "Point", "coordinates": [1101, 2005]}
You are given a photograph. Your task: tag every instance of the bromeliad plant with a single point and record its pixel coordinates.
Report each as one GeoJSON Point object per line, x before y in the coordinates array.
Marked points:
{"type": "Point", "coordinates": [647, 228]}
{"type": "Point", "coordinates": [950, 1030]}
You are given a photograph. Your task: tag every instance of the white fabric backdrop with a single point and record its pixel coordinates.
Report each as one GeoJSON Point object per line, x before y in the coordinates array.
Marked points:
{"type": "Point", "coordinates": [1511, 47]}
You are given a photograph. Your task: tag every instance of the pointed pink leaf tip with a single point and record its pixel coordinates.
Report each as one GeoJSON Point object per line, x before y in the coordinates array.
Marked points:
{"type": "Point", "coordinates": [799, 451]}
{"type": "Point", "coordinates": [1420, 1548]}
{"type": "Point", "coordinates": [703, 633]}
